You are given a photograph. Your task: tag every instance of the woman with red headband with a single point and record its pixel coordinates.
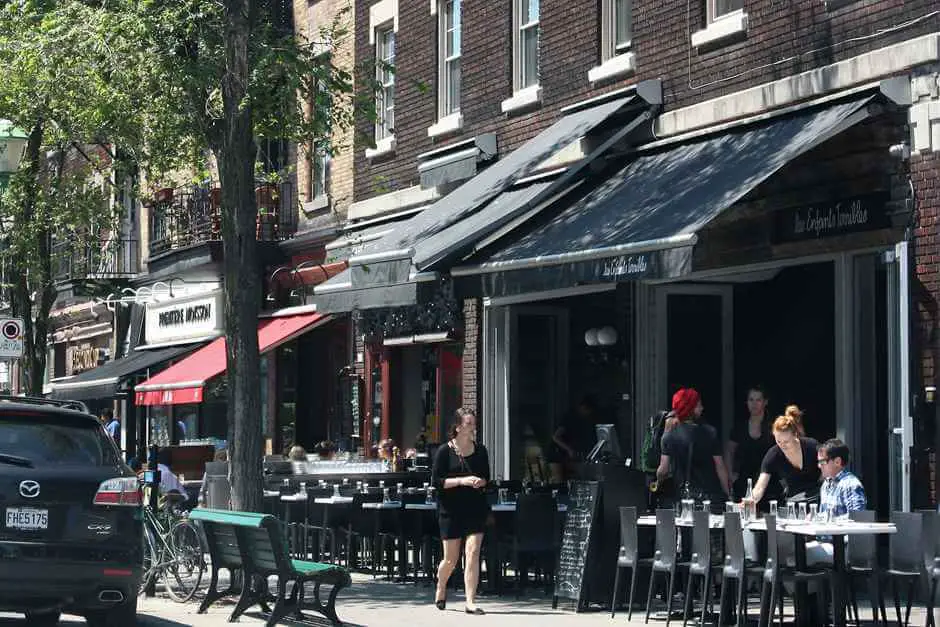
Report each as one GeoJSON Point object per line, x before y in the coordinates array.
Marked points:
{"type": "Point", "coordinates": [693, 452]}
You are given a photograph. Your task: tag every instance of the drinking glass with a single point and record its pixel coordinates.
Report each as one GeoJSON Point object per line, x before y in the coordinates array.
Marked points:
{"type": "Point", "coordinates": [386, 496]}
{"type": "Point", "coordinates": [400, 488]}
{"type": "Point", "coordinates": [503, 495]}
{"type": "Point", "coordinates": [430, 496]}
{"type": "Point", "coordinates": [335, 489]}
{"type": "Point", "coordinates": [730, 507]}
{"type": "Point", "coordinates": [773, 508]}
{"type": "Point", "coordinates": [791, 510]}
{"type": "Point", "coordinates": [688, 505]}
{"type": "Point", "coordinates": [802, 511]}
{"type": "Point", "coordinates": [813, 511]}
{"type": "Point", "coordinates": [382, 484]}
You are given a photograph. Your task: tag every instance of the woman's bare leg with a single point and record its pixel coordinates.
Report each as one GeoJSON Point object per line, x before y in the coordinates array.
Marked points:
{"type": "Point", "coordinates": [446, 567]}
{"type": "Point", "coordinates": [471, 575]}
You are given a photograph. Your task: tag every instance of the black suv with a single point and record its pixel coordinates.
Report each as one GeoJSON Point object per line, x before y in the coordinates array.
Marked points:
{"type": "Point", "coordinates": [70, 517]}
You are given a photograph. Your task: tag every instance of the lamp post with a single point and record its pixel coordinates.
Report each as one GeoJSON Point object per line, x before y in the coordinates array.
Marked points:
{"type": "Point", "coordinates": [12, 146]}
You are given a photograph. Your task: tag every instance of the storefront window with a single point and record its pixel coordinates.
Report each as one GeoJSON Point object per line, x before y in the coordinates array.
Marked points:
{"type": "Point", "coordinates": [286, 372]}
{"type": "Point", "coordinates": [186, 424]}
{"type": "Point", "coordinates": [160, 431]}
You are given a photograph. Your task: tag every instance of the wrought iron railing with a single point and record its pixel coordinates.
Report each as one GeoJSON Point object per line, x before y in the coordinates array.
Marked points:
{"type": "Point", "coordinates": [182, 217]}
{"type": "Point", "coordinates": [100, 258]}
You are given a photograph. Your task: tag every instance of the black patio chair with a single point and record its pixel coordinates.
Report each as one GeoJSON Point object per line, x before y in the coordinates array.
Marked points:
{"type": "Point", "coordinates": [629, 557]}
{"type": "Point", "coordinates": [700, 564]}
{"type": "Point", "coordinates": [535, 535]}
{"type": "Point", "coordinates": [736, 570]}
{"type": "Point", "coordinates": [775, 573]}
{"type": "Point", "coordinates": [664, 560]}
{"type": "Point", "coordinates": [909, 552]}
{"type": "Point", "coordinates": [861, 561]}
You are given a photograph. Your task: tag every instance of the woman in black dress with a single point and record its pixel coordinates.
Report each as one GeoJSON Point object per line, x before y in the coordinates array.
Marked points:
{"type": "Point", "coordinates": [792, 461]}
{"type": "Point", "coordinates": [749, 442]}
{"type": "Point", "coordinates": [461, 470]}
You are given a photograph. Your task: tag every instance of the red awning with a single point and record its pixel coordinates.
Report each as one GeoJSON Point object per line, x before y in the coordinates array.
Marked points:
{"type": "Point", "coordinates": [184, 381]}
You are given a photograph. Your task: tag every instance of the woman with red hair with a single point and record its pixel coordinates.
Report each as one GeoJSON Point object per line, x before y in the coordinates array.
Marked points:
{"type": "Point", "coordinates": [693, 452]}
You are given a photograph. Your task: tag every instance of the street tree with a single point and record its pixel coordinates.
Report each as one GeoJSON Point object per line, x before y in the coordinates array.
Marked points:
{"type": "Point", "coordinates": [55, 85]}
{"type": "Point", "coordinates": [215, 77]}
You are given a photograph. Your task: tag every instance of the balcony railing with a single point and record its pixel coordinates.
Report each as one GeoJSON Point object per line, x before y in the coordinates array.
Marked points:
{"type": "Point", "coordinates": [182, 217]}
{"type": "Point", "coordinates": [99, 259]}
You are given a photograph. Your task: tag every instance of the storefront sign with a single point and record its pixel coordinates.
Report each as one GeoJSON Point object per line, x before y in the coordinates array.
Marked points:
{"type": "Point", "coordinates": [625, 266]}
{"type": "Point", "coordinates": [187, 318]}
{"type": "Point", "coordinates": [853, 215]}
{"type": "Point", "coordinates": [85, 358]}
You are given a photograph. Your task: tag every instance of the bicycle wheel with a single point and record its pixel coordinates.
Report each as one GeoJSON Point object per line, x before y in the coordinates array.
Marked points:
{"type": "Point", "coordinates": [150, 559]}
{"type": "Point", "coordinates": [185, 565]}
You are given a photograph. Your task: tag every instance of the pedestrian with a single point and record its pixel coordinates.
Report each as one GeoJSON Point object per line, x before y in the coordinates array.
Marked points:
{"type": "Point", "coordinates": [460, 472]}
{"type": "Point", "coordinates": [792, 461]}
{"type": "Point", "coordinates": [749, 442]}
{"type": "Point", "coordinates": [111, 424]}
{"type": "Point", "coordinates": [692, 452]}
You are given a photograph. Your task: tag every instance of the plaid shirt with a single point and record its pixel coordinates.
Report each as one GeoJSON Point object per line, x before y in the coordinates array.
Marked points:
{"type": "Point", "coordinates": [842, 494]}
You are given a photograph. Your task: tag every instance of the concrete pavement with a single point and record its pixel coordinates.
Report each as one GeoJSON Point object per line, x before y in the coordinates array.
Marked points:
{"type": "Point", "coordinates": [370, 602]}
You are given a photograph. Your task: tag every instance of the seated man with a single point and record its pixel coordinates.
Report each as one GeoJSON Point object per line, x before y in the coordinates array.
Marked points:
{"type": "Point", "coordinates": [841, 493]}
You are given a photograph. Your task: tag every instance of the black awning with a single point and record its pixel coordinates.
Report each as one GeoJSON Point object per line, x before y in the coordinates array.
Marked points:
{"type": "Point", "coordinates": [657, 203]}
{"type": "Point", "coordinates": [106, 381]}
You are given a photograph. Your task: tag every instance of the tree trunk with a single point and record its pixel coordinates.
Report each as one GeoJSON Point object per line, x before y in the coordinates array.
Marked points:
{"type": "Point", "coordinates": [235, 153]}
{"type": "Point", "coordinates": [33, 361]}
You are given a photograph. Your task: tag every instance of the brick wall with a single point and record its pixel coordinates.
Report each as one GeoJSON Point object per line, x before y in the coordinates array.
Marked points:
{"type": "Point", "coordinates": [310, 17]}
{"type": "Point", "coordinates": [472, 355]}
{"type": "Point", "coordinates": [925, 175]}
{"type": "Point", "coordinates": [783, 38]}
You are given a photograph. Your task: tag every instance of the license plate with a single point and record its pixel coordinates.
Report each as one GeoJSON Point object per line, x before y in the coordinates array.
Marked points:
{"type": "Point", "coordinates": [27, 518]}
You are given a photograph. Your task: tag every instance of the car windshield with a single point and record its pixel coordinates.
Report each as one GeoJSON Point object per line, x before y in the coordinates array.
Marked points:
{"type": "Point", "coordinates": [45, 440]}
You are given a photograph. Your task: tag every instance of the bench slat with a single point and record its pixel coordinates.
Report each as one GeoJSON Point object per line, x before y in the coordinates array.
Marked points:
{"type": "Point", "coordinates": [228, 517]}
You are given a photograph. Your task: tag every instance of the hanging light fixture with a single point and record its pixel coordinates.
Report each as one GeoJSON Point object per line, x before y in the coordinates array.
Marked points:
{"type": "Point", "coordinates": [607, 336]}
{"type": "Point", "coordinates": [590, 337]}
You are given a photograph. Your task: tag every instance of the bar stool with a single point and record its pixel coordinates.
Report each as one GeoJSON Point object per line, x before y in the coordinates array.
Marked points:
{"type": "Point", "coordinates": [664, 560]}
{"type": "Point", "coordinates": [629, 557]}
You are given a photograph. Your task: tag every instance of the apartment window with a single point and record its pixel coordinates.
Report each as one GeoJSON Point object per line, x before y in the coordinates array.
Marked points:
{"type": "Point", "coordinates": [450, 57]}
{"type": "Point", "coordinates": [718, 9]}
{"type": "Point", "coordinates": [385, 77]}
{"type": "Point", "coordinates": [318, 164]}
{"type": "Point", "coordinates": [527, 43]}
{"type": "Point", "coordinates": [616, 27]}
{"type": "Point", "coordinates": [318, 154]}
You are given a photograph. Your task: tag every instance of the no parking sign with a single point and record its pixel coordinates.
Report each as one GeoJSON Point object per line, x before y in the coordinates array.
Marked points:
{"type": "Point", "coordinates": [11, 337]}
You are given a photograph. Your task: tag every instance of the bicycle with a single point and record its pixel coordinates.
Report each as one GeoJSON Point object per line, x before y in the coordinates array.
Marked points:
{"type": "Point", "coordinates": [174, 551]}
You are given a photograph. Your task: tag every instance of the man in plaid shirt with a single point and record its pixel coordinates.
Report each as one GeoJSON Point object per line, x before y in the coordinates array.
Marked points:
{"type": "Point", "coordinates": [841, 493]}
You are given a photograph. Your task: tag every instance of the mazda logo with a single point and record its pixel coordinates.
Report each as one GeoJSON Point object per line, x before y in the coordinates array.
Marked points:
{"type": "Point", "coordinates": [29, 489]}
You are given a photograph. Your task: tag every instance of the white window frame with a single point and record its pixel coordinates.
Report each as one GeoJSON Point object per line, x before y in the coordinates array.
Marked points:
{"type": "Point", "coordinates": [616, 59]}
{"type": "Point", "coordinates": [383, 18]}
{"type": "Point", "coordinates": [449, 119]}
{"type": "Point", "coordinates": [385, 79]}
{"type": "Point", "coordinates": [318, 158]}
{"type": "Point", "coordinates": [523, 95]}
{"type": "Point", "coordinates": [720, 27]}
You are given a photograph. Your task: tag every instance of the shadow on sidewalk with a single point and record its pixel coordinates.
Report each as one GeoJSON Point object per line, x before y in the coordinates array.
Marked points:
{"type": "Point", "coordinates": [69, 620]}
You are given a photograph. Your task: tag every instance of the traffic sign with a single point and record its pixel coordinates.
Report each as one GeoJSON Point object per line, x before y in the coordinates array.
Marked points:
{"type": "Point", "coordinates": [11, 337]}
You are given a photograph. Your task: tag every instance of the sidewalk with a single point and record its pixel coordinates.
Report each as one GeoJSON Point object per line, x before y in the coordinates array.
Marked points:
{"type": "Point", "coordinates": [379, 603]}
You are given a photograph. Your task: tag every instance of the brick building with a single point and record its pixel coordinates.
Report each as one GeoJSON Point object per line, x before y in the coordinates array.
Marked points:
{"type": "Point", "coordinates": [774, 224]}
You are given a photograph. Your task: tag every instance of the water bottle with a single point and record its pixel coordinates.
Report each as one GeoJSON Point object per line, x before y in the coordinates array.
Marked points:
{"type": "Point", "coordinates": [750, 507]}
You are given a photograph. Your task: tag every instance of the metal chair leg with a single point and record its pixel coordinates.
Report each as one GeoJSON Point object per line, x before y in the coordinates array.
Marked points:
{"type": "Point", "coordinates": [706, 596]}
{"type": "Point", "coordinates": [910, 601]}
{"type": "Point", "coordinates": [687, 609]}
{"type": "Point", "coordinates": [742, 601]}
{"type": "Point", "coordinates": [613, 595]}
{"type": "Point", "coordinates": [897, 600]}
{"type": "Point", "coordinates": [632, 590]}
{"type": "Point", "coordinates": [672, 580]}
{"type": "Point", "coordinates": [649, 595]}
{"type": "Point", "coordinates": [723, 598]}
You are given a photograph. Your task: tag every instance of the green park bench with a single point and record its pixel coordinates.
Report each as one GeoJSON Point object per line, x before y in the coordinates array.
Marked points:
{"type": "Point", "coordinates": [254, 545]}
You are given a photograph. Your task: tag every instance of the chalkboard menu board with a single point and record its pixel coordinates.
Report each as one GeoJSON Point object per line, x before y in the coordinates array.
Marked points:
{"type": "Point", "coordinates": [576, 541]}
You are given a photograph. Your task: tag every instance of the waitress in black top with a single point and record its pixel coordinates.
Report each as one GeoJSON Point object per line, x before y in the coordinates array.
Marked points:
{"type": "Point", "coordinates": [792, 461]}
{"type": "Point", "coordinates": [749, 442]}
{"type": "Point", "coordinates": [461, 470]}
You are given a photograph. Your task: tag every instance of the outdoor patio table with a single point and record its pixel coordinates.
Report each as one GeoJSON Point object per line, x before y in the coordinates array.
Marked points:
{"type": "Point", "coordinates": [801, 530]}
{"type": "Point", "coordinates": [511, 507]}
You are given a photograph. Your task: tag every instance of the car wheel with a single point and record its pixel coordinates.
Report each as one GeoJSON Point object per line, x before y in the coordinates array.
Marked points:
{"type": "Point", "coordinates": [123, 615]}
{"type": "Point", "coordinates": [43, 619]}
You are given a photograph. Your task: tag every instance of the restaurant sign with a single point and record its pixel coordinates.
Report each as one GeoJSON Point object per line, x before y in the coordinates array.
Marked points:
{"type": "Point", "coordinates": [830, 219]}
{"type": "Point", "coordinates": [186, 318]}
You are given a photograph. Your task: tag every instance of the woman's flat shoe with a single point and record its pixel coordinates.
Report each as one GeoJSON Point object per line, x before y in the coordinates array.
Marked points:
{"type": "Point", "coordinates": [476, 612]}
{"type": "Point", "coordinates": [441, 604]}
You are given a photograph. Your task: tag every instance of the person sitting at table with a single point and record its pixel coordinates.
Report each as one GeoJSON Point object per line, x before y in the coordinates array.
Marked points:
{"type": "Point", "coordinates": [842, 492]}
{"type": "Point", "coordinates": [791, 461]}
{"type": "Point", "coordinates": [460, 472]}
{"type": "Point", "coordinates": [297, 453]}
